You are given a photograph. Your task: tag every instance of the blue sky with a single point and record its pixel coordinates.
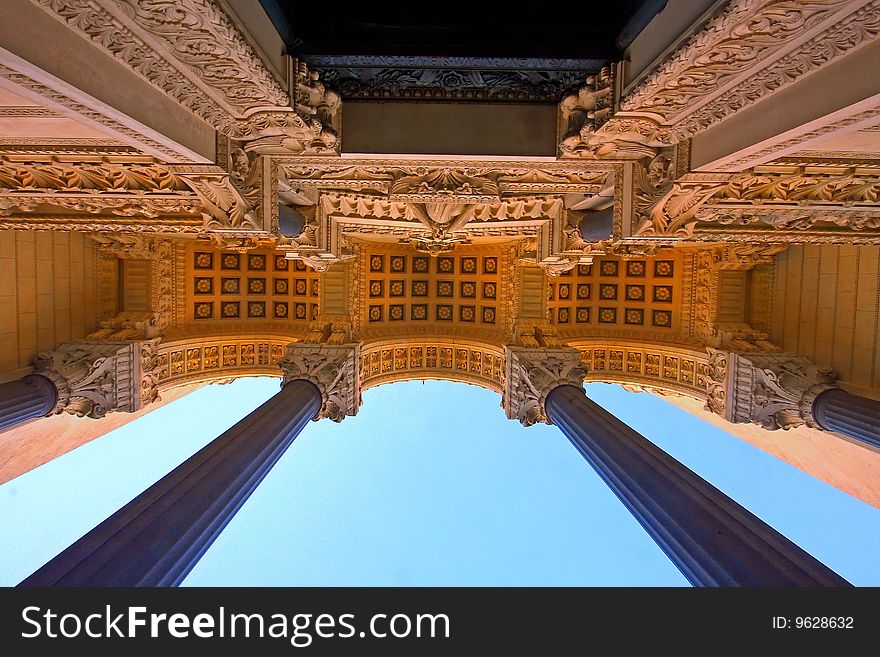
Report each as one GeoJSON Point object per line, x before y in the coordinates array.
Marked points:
{"type": "Point", "coordinates": [428, 485]}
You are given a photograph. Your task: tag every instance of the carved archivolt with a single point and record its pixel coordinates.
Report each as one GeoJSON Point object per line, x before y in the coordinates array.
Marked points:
{"type": "Point", "coordinates": [532, 373]}
{"type": "Point", "coordinates": [776, 42]}
{"type": "Point", "coordinates": [773, 390]}
{"type": "Point", "coordinates": [96, 377]}
{"type": "Point", "coordinates": [190, 50]}
{"type": "Point", "coordinates": [214, 358]}
{"type": "Point", "coordinates": [333, 369]}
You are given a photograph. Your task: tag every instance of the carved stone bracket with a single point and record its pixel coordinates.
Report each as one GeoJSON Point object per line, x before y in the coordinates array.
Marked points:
{"type": "Point", "coordinates": [774, 390]}
{"type": "Point", "coordinates": [590, 129]}
{"type": "Point", "coordinates": [333, 369]}
{"type": "Point", "coordinates": [95, 377]}
{"type": "Point", "coordinates": [532, 373]}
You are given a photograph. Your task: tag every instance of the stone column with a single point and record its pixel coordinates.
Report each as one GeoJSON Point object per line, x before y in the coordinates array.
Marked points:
{"type": "Point", "coordinates": [851, 415]}
{"type": "Point", "coordinates": [781, 391]}
{"type": "Point", "coordinates": [27, 398]}
{"type": "Point", "coordinates": [89, 378]}
{"type": "Point", "coordinates": [713, 540]}
{"type": "Point", "coordinates": [156, 539]}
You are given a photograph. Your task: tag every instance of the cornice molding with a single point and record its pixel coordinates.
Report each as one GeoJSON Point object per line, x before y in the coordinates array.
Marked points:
{"type": "Point", "coordinates": [23, 78]}
{"type": "Point", "coordinates": [191, 51]}
{"type": "Point", "coordinates": [750, 50]}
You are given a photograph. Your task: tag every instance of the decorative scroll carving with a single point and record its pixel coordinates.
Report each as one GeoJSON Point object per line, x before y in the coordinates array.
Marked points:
{"type": "Point", "coordinates": [192, 52]}
{"type": "Point", "coordinates": [333, 369]}
{"type": "Point", "coordinates": [136, 175]}
{"type": "Point", "coordinates": [745, 36]}
{"type": "Point", "coordinates": [94, 378]}
{"type": "Point", "coordinates": [773, 390]}
{"type": "Point", "coordinates": [668, 210]}
{"type": "Point", "coordinates": [532, 373]}
{"type": "Point", "coordinates": [135, 246]}
{"type": "Point", "coordinates": [590, 129]}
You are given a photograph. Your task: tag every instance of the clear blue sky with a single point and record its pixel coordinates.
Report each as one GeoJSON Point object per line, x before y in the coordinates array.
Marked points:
{"type": "Point", "coordinates": [428, 485]}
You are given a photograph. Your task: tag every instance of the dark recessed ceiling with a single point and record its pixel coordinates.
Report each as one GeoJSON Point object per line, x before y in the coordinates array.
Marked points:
{"type": "Point", "coordinates": [470, 55]}
{"type": "Point", "coordinates": [586, 30]}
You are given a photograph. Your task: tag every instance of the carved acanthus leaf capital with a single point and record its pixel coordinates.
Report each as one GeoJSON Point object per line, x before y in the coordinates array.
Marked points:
{"type": "Point", "coordinates": [334, 371]}
{"type": "Point", "coordinates": [94, 377]}
{"type": "Point", "coordinates": [774, 390]}
{"type": "Point", "coordinates": [532, 373]}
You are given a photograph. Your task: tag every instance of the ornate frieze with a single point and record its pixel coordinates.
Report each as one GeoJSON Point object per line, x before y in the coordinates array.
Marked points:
{"type": "Point", "coordinates": [772, 389]}
{"type": "Point", "coordinates": [95, 377]}
{"type": "Point", "coordinates": [191, 51]}
{"type": "Point", "coordinates": [432, 205]}
{"type": "Point", "coordinates": [333, 369]}
{"type": "Point", "coordinates": [108, 192]}
{"type": "Point", "coordinates": [532, 373]}
{"type": "Point", "coordinates": [785, 198]}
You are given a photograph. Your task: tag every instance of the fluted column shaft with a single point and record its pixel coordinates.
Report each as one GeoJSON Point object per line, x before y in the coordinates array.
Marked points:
{"type": "Point", "coordinates": [713, 540]}
{"type": "Point", "coordinates": [852, 415]}
{"type": "Point", "coordinates": [157, 538]}
{"type": "Point", "coordinates": [27, 398]}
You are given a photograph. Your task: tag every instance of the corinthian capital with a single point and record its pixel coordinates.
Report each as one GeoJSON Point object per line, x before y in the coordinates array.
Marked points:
{"type": "Point", "coordinates": [333, 369]}
{"type": "Point", "coordinates": [532, 373]}
{"type": "Point", "coordinates": [94, 377]}
{"type": "Point", "coordinates": [772, 389]}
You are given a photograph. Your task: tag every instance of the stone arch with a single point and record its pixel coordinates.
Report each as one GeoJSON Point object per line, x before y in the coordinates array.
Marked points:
{"type": "Point", "coordinates": [464, 361]}
{"type": "Point", "coordinates": [217, 358]}
{"type": "Point", "coordinates": [661, 368]}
